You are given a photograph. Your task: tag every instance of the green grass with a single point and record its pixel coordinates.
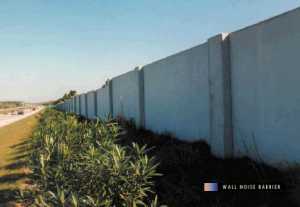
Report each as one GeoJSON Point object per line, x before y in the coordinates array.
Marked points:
{"type": "Point", "coordinates": [13, 141]}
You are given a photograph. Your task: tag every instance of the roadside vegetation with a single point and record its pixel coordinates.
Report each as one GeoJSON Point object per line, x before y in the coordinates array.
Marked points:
{"type": "Point", "coordinates": [66, 96]}
{"type": "Point", "coordinates": [185, 166]}
{"type": "Point", "coordinates": [78, 163]}
{"type": "Point", "coordinates": [10, 104]}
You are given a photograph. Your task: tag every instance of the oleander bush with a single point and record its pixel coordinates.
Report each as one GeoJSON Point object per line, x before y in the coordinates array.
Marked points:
{"type": "Point", "coordinates": [78, 163]}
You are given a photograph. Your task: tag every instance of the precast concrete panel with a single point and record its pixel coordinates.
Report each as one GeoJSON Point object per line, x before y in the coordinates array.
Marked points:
{"type": "Point", "coordinates": [125, 96]}
{"type": "Point", "coordinates": [103, 104]}
{"type": "Point", "coordinates": [77, 108]}
{"type": "Point", "coordinates": [176, 94]}
{"type": "Point", "coordinates": [265, 89]}
{"type": "Point", "coordinates": [91, 112]}
{"type": "Point", "coordinates": [82, 105]}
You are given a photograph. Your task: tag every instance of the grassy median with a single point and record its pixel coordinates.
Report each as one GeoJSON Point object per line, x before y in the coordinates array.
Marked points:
{"type": "Point", "coordinates": [13, 150]}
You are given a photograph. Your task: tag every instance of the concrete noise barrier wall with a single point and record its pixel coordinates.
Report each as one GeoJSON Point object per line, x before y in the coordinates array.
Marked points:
{"type": "Point", "coordinates": [91, 105]}
{"type": "Point", "coordinates": [176, 94]}
{"type": "Point", "coordinates": [237, 91]}
{"type": "Point", "coordinates": [68, 106]}
{"type": "Point", "coordinates": [125, 96]}
{"type": "Point", "coordinates": [73, 105]}
{"type": "Point", "coordinates": [83, 111]}
{"type": "Point", "coordinates": [265, 81]}
{"type": "Point", "coordinates": [103, 102]}
{"type": "Point", "coordinates": [77, 105]}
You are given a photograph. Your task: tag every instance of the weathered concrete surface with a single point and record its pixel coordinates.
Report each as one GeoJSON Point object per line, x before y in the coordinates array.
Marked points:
{"type": "Point", "coordinates": [265, 88]}
{"type": "Point", "coordinates": [238, 92]}
{"type": "Point", "coordinates": [77, 105]}
{"type": "Point", "coordinates": [83, 106]}
{"type": "Point", "coordinates": [176, 94]}
{"type": "Point", "coordinates": [219, 77]}
{"type": "Point", "coordinates": [91, 108]}
{"type": "Point", "coordinates": [103, 104]}
{"type": "Point", "coordinates": [125, 96]}
{"type": "Point", "coordinates": [71, 105]}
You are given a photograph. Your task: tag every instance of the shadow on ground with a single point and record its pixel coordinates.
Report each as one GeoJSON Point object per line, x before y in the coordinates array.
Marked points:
{"type": "Point", "coordinates": [12, 178]}
{"type": "Point", "coordinates": [16, 172]}
{"type": "Point", "coordinates": [7, 195]}
{"type": "Point", "coordinates": [185, 166]}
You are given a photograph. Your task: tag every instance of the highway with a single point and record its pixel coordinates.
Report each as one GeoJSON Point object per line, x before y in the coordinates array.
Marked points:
{"type": "Point", "coordinates": [9, 119]}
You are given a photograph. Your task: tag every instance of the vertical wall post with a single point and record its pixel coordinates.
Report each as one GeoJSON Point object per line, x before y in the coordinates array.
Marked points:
{"type": "Point", "coordinates": [80, 111]}
{"type": "Point", "coordinates": [78, 106]}
{"type": "Point", "coordinates": [86, 105]}
{"type": "Point", "coordinates": [141, 86]}
{"type": "Point", "coordinates": [111, 104]}
{"type": "Point", "coordinates": [70, 105]}
{"type": "Point", "coordinates": [74, 104]}
{"type": "Point", "coordinates": [219, 75]}
{"type": "Point", "coordinates": [95, 104]}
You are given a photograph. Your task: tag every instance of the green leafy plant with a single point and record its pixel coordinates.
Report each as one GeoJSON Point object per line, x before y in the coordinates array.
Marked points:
{"type": "Point", "coordinates": [77, 163]}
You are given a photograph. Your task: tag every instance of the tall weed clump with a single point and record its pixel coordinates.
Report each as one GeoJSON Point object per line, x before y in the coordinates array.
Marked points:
{"type": "Point", "coordinates": [78, 163]}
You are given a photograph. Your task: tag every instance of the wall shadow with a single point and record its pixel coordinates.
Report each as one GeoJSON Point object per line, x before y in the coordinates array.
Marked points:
{"type": "Point", "coordinates": [16, 170]}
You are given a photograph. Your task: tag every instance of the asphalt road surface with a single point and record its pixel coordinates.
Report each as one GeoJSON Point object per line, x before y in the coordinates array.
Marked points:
{"type": "Point", "coordinates": [9, 119]}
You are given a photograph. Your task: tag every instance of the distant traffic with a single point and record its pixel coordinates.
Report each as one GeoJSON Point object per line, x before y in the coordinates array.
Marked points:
{"type": "Point", "coordinates": [11, 115]}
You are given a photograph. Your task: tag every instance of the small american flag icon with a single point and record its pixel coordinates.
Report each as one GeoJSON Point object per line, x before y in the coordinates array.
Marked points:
{"type": "Point", "coordinates": [210, 187]}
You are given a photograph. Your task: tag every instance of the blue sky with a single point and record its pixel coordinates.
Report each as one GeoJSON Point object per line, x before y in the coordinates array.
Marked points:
{"type": "Point", "coordinates": [48, 47]}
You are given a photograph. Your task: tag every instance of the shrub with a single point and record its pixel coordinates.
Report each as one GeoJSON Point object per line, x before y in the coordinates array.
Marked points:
{"type": "Point", "coordinates": [77, 163]}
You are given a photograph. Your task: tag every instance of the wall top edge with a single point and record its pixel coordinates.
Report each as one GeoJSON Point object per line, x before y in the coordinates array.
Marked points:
{"type": "Point", "coordinates": [267, 20]}
{"type": "Point", "coordinates": [176, 54]}
{"type": "Point", "coordinates": [122, 74]}
{"type": "Point", "coordinates": [89, 92]}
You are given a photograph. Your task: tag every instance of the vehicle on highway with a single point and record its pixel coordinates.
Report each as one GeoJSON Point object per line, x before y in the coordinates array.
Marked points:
{"type": "Point", "coordinates": [21, 112]}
